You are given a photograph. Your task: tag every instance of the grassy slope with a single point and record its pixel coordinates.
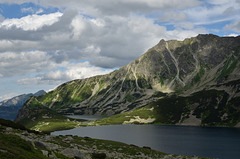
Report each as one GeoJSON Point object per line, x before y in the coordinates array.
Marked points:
{"type": "Point", "coordinates": [41, 118]}
{"type": "Point", "coordinates": [164, 111]}
{"type": "Point", "coordinates": [143, 113]}
{"type": "Point", "coordinates": [13, 147]}
{"type": "Point", "coordinates": [210, 106]}
{"type": "Point", "coordinates": [70, 93]}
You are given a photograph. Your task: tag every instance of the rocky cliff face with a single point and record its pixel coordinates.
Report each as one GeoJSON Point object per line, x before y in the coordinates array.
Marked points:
{"type": "Point", "coordinates": [171, 67]}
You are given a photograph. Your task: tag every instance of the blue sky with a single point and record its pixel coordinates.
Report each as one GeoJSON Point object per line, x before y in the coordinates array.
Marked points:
{"type": "Point", "coordinates": [20, 10]}
{"type": "Point", "coordinates": [44, 43]}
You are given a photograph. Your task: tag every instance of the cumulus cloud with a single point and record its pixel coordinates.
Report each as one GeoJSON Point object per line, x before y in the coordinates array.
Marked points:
{"type": "Point", "coordinates": [31, 22]}
{"type": "Point", "coordinates": [111, 41]}
{"type": "Point", "coordinates": [72, 71]}
{"type": "Point", "coordinates": [12, 64]}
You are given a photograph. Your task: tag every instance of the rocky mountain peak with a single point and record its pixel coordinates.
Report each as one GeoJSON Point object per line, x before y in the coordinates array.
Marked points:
{"type": "Point", "coordinates": [180, 67]}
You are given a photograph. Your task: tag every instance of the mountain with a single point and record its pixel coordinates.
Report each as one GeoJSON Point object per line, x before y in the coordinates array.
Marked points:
{"type": "Point", "coordinates": [39, 93]}
{"type": "Point", "coordinates": [196, 79]}
{"type": "Point", "coordinates": [9, 108]}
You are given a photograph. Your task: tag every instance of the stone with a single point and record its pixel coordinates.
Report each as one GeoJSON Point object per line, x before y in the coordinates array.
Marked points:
{"type": "Point", "coordinates": [39, 145]}
{"type": "Point", "coordinates": [120, 149]}
{"type": "Point", "coordinates": [99, 156]}
{"type": "Point", "coordinates": [45, 153]}
{"type": "Point", "coordinates": [69, 152]}
{"type": "Point", "coordinates": [9, 129]}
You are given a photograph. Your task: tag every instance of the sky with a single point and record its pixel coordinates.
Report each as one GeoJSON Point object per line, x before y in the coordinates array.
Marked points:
{"type": "Point", "coordinates": [44, 43]}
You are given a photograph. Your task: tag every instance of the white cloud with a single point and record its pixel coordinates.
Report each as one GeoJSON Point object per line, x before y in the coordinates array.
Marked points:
{"type": "Point", "coordinates": [109, 42]}
{"type": "Point", "coordinates": [7, 96]}
{"type": "Point", "coordinates": [229, 11]}
{"type": "Point", "coordinates": [71, 72]}
{"type": "Point", "coordinates": [185, 25]}
{"type": "Point", "coordinates": [204, 14]}
{"type": "Point", "coordinates": [30, 81]}
{"type": "Point", "coordinates": [117, 7]}
{"type": "Point", "coordinates": [1, 18]}
{"type": "Point", "coordinates": [79, 26]}
{"type": "Point", "coordinates": [120, 7]}
{"type": "Point", "coordinates": [12, 64]}
{"type": "Point", "coordinates": [172, 16]}
{"type": "Point", "coordinates": [39, 11]}
{"type": "Point", "coordinates": [182, 34]}
{"type": "Point", "coordinates": [17, 1]}
{"type": "Point", "coordinates": [234, 26]}
{"type": "Point", "coordinates": [31, 22]}
{"type": "Point", "coordinates": [31, 10]}
{"type": "Point", "coordinates": [218, 2]}
{"type": "Point", "coordinates": [232, 35]}
{"type": "Point", "coordinates": [27, 10]}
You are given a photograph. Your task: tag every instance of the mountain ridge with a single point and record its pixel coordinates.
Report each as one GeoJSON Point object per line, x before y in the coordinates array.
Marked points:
{"type": "Point", "coordinates": [170, 67]}
{"type": "Point", "coordinates": [9, 107]}
{"type": "Point", "coordinates": [20, 99]}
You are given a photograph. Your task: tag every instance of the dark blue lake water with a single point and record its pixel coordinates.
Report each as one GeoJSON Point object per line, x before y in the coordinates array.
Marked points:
{"type": "Point", "coordinates": [223, 143]}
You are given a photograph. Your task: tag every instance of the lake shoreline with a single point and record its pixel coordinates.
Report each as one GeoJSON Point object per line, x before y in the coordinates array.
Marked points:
{"type": "Point", "coordinates": [173, 139]}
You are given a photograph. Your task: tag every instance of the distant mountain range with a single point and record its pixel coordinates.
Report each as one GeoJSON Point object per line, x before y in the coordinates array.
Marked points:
{"type": "Point", "coordinates": [190, 82]}
{"type": "Point", "coordinates": [9, 108]}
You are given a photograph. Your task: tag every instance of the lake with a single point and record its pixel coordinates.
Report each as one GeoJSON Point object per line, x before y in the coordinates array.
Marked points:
{"type": "Point", "coordinates": [86, 117]}
{"type": "Point", "coordinates": [223, 143]}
